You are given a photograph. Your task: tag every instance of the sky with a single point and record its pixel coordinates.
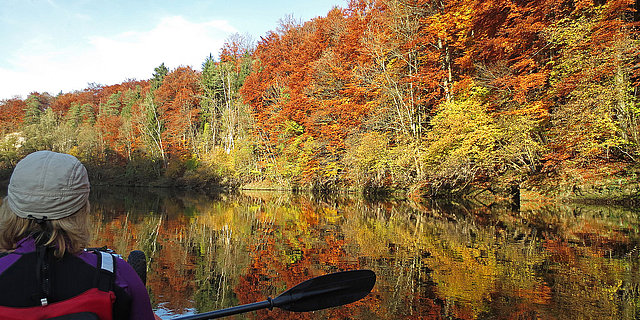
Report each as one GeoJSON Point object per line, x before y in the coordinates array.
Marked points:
{"type": "Point", "coordinates": [64, 45]}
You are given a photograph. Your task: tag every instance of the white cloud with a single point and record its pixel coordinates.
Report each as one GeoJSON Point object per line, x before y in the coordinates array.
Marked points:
{"type": "Point", "coordinates": [40, 66]}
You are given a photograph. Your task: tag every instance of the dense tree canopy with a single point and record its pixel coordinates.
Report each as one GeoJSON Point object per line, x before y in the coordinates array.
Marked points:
{"type": "Point", "coordinates": [434, 96]}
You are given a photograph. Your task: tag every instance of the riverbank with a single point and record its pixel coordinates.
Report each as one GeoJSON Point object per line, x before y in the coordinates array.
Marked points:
{"type": "Point", "coordinates": [603, 186]}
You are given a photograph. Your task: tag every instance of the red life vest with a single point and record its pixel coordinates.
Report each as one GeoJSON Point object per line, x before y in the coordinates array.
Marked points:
{"type": "Point", "coordinates": [98, 300]}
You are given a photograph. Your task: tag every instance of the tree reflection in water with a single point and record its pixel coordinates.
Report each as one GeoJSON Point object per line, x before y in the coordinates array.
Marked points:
{"type": "Point", "coordinates": [433, 260]}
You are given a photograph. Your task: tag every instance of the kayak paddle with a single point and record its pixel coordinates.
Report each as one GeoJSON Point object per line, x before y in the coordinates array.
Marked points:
{"type": "Point", "coordinates": [330, 290]}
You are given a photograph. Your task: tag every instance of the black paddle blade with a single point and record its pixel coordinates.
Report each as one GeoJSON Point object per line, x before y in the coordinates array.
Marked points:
{"type": "Point", "coordinates": [327, 291]}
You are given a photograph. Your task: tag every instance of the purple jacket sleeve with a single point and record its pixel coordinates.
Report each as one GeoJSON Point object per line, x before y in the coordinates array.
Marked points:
{"type": "Point", "coordinates": [128, 279]}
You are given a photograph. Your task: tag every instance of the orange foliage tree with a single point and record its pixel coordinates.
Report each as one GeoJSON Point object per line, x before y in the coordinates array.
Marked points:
{"type": "Point", "coordinates": [11, 114]}
{"type": "Point", "coordinates": [177, 100]}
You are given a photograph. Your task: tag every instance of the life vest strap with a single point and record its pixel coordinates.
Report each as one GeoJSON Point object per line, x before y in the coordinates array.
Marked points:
{"type": "Point", "coordinates": [106, 265]}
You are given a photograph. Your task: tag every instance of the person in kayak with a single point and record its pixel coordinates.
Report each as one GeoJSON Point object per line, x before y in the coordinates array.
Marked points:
{"type": "Point", "coordinates": [45, 271]}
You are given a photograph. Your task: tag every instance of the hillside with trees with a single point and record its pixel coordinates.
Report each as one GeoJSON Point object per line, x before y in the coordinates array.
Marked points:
{"type": "Point", "coordinates": [430, 97]}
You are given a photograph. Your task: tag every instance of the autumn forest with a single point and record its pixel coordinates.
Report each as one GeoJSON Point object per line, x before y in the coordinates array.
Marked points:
{"type": "Point", "coordinates": [428, 97]}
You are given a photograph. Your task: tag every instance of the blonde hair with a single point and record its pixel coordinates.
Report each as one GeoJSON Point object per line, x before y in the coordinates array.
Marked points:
{"type": "Point", "coordinates": [68, 234]}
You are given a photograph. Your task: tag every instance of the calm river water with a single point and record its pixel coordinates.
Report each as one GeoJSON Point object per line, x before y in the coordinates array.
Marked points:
{"type": "Point", "coordinates": [432, 260]}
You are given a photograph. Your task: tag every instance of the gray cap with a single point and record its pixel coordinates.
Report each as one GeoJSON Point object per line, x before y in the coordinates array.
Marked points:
{"type": "Point", "coordinates": [48, 184]}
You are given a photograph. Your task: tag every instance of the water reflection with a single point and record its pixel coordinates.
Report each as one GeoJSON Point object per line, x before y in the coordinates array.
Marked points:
{"type": "Point", "coordinates": [433, 261]}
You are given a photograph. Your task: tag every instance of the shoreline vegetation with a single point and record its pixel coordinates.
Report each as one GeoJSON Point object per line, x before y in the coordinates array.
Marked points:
{"type": "Point", "coordinates": [477, 99]}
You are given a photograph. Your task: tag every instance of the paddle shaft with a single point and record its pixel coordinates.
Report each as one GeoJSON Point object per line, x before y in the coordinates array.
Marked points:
{"type": "Point", "coordinates": [229, 311]}
{"type": "Point", "coordinates": [330, 290]}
